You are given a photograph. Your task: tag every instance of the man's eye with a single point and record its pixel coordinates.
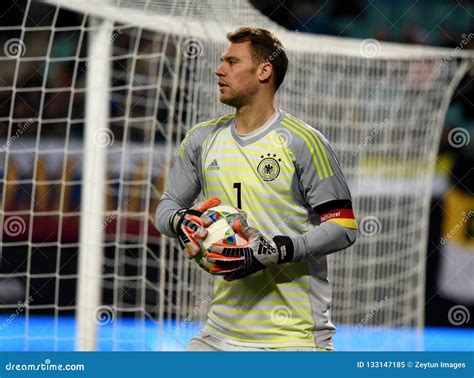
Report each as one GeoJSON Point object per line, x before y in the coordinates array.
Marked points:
{"type": "Point", "coordinates": [231, 61]}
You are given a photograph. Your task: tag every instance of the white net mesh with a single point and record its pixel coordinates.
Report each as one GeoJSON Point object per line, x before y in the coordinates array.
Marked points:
{"type": "Point", "coordinates": [381, 106]}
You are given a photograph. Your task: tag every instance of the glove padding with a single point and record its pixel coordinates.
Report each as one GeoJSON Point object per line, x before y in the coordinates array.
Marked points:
{"type": "Point", "coordinates": [190, 226]}
{"type": "Point", "coordinates": [235, 262]}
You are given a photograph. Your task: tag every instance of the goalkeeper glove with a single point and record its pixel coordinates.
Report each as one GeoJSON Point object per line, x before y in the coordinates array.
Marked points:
{"type": "Point", "coordinates": [190, 226]}
{"type": "Point", "coordinates": [235, 262]}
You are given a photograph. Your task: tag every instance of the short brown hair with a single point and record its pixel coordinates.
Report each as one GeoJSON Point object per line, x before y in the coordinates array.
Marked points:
{"type": "Point", "coordinates": [265, 46]}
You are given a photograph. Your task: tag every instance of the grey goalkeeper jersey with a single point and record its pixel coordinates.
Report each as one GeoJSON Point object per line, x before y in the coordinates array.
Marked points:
{"type": "Point", "coordinates": [280, 175]}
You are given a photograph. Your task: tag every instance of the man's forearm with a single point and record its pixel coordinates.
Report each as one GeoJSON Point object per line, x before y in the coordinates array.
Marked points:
{"type": "Point", "coordinates": [322, 240]}
{"type": "Point", "coordinates": [167, 208]}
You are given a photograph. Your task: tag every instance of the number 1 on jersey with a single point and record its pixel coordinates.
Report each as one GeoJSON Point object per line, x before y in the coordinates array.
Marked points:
{"type": "Point", "coordinates": [238, 186]}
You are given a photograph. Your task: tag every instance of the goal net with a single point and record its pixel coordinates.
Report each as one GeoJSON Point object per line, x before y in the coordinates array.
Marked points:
{"type": "Point", "coordinates": [95, 97]}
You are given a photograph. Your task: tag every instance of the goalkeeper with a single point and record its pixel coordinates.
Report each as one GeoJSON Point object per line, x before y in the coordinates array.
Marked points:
{"type": "Point", "coordinates": [274, 293]}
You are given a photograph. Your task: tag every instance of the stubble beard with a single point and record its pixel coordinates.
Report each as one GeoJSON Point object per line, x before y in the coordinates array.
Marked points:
{"type": "Point", "coordinates": [236, 101]}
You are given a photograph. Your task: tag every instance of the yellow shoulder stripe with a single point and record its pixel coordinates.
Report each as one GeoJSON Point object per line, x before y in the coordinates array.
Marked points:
{"type": "Point", "coordinates": [313, 143]}
{"type": "Point", "coordinates": [314, 134]}
{"type": "Point", "coordinates": [213, 122]}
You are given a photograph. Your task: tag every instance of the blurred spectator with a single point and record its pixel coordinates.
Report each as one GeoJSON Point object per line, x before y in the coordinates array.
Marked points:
{"type": "Point", "coordinates": [413, 34]}
{"type": "Point", "coordinates": [311, 17]}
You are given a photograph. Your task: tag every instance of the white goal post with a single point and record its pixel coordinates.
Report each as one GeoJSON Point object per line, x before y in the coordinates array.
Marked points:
{"type": "Point", "coordinates": [115, 94]}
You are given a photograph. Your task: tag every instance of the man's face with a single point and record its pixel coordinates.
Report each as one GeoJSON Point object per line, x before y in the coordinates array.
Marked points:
{"type": "Point", "coordinates": [238, 75]}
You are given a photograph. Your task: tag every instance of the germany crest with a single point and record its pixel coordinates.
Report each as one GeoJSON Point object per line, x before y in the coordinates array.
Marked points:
{"type": "Point", "coordinates": [269, 167]}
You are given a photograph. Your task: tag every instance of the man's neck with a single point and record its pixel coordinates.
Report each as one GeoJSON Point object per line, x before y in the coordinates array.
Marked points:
{"type": "Point", "coordinates": [250, 117]}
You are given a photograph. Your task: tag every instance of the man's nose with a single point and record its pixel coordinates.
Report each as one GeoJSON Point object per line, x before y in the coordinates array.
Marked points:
{"type": "Point", "coordinates": [218, 71]}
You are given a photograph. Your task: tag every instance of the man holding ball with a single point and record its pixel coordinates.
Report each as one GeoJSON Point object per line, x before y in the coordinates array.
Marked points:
{"type": "Point", "coordinates": [273, 292]}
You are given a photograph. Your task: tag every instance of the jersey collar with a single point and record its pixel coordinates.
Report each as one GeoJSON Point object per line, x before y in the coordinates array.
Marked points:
{"type": "Point", "coordinates": [244, 140]}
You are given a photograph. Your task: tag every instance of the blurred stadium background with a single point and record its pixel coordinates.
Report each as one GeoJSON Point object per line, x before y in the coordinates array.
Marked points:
{"type": "Point", "coordinates": [140, 294]}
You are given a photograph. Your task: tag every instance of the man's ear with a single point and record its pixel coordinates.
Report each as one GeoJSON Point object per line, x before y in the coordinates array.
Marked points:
{"type": "Point", "coordinates": [265, 72]}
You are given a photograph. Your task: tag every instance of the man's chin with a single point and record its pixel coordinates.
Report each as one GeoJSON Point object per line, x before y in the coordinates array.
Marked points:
{"type": "Point", "coordinates": [228, 100]}
{"type": "Point", "coordinates": [225, 100]}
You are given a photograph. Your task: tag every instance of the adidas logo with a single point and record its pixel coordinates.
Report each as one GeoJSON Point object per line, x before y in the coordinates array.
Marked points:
{"type": "Point", "coordinates": [213, 166]}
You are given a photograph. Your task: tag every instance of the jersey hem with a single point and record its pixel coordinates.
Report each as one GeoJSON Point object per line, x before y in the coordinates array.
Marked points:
{"type": "Point", "coordinates": [228, 339]}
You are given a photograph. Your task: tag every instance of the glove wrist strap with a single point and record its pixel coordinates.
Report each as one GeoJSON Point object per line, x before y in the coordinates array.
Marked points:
{"type": "Point", "coordinates": [285, 248]}
{"type": "Point", "coordinates": [174, 222]}
{"type": "Point", "coordinates": [182, 213]}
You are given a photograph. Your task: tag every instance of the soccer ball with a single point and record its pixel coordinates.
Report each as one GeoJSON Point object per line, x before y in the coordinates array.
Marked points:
{"type": "Point", "coordinates": [220, 231]}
